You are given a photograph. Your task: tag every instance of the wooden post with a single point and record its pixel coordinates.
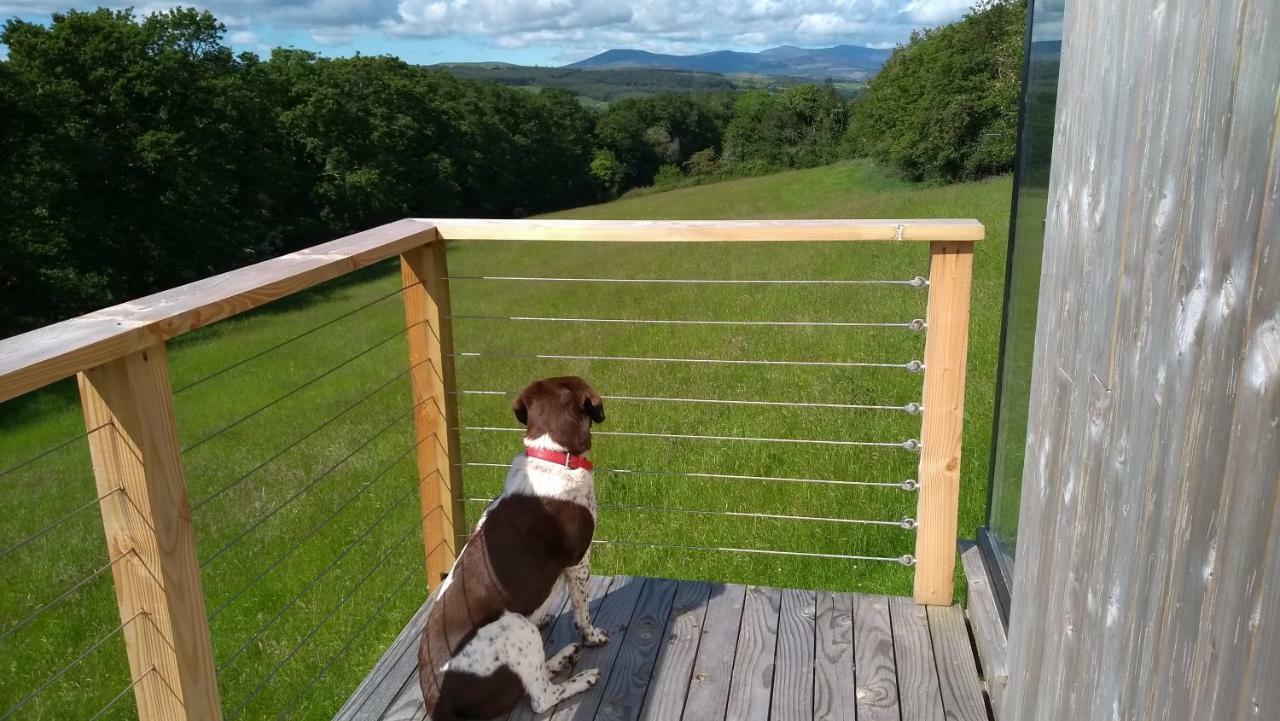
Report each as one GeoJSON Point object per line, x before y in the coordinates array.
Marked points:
{"type": "Point", "coordinates": [942, 427]}
{"type": "Point", "coordinates": [430, 334]}
{"type": "Point", "coordinates": [150, 540]}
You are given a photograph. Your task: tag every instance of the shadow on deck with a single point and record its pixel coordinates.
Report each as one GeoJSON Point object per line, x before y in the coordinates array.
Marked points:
{"type": "Point", "coordinates": [696, 650]}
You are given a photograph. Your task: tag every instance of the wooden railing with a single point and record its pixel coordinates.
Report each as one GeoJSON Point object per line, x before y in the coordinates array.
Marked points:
{"type": "Point", "coordinates": [119, 356]}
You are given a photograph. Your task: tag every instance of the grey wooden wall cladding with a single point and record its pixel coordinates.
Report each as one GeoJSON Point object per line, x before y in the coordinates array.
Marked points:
{"type": "Point", "coordinates": [1147, 581]}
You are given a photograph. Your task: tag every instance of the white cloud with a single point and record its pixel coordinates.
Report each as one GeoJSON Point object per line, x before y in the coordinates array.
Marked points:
{"type": "Point", "coordinates": [575, 28]}
{"type": "Point", "coordinates": [932, 12]}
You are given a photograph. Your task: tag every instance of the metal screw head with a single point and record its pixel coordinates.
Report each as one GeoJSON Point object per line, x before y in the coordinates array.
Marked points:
{"type": "Point", "coordinates": [911, 444]}
{"type": "Point", "coordinates": [915, 366]}
{"type": "Point", "coordinates": [916, 325]}
{"type": "Point", "coordinates": [909, 485]}
{"type": "Point", "coordinates": [908, 523]}
{"type": "Point", "coordinates": [912, 408]}
{"type": "Point", "coordinates": [918, 282]}
{"type": "Point", "coordinates": [907, 560]}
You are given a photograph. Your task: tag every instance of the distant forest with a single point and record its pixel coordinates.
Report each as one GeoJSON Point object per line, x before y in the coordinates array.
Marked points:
{"type": "Point", "coordinates": [601, 86]}
{"type": "Point", "coordinates": [140, 152]}
{"type": "Point", "coordinates": [604, 85]}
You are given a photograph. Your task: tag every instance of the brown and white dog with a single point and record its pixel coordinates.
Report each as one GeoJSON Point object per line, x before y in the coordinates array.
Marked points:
{"type": "Point", "coordinates": [481, 649]}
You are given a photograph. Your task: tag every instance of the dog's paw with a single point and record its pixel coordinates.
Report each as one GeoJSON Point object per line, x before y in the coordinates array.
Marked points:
{"type": "Point", "coordinates": [593, 637]}
{"type": "Point", "coordinates": [564, 658]}
{"type": "Point", "coordinates": [585, 679]}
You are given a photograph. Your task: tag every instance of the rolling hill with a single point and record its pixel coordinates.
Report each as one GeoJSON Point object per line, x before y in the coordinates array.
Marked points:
{"type": "Point", "coordinates": [842, 62]}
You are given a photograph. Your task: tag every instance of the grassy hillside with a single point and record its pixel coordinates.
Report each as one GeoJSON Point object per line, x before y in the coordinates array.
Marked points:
{"type": "Point", "coordinates": [303, 486]}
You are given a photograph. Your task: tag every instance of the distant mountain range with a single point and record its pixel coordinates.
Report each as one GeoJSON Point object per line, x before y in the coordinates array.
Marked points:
{"type": "Point", "coordinates": [842, 62]}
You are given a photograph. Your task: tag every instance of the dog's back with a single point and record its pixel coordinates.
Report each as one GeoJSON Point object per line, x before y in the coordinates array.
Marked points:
{"type": "Point", "coordinates": [510, 565]}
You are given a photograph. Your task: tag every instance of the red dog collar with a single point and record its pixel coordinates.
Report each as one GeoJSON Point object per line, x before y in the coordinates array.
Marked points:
{"type": "Point", "coordinates": [568, 460]}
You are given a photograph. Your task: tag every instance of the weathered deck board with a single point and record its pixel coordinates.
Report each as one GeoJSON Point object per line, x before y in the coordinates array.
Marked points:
{"type": "Point", "coordinates": [629, 677]}
{"type": "Point", "coordinates": [833, 682]}
{"type": "Point", "coordinates": [669, 687]}
{"type": "Point", "coordinates": [751, 686]}
{"type": "Point", "coordinates": [713, 669]}
{"type": "Point", "coordinates": [793, 663]}
{"type": "Point", "coordinates": [957, 672]}
{"type": "Point", "coordinates": [874, 668]}
{"type": "Point", "coordinates": [918, 694]}
{"type": "Point", "coordinates": [701, 651]}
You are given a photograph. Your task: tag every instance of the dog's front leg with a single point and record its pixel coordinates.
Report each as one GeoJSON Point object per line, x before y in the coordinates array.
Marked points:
{"type": "Point", "coordinates": [576, 577]}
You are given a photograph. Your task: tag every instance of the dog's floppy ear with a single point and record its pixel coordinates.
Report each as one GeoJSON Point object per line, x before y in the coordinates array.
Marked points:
{"type": "Point", "coordinates": [520, 407]}
{"type": "Point", "coordinates": [593, 406]}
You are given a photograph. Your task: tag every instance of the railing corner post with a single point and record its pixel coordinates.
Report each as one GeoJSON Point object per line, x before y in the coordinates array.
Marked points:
{"type": "Point", "coordinates": [424, 271]}
{"type": "Point", "coordinates": [942, 425]}
{"type": "Point", "coordinates": [137, 464]}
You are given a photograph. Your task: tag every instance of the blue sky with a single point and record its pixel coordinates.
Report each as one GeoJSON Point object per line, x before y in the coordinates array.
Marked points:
{"type": "Point", "coordinates": [544, 32]}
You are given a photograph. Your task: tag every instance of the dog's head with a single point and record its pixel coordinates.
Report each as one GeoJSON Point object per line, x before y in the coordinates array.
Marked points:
{"type": "Point", "coordinates": [563, 409]}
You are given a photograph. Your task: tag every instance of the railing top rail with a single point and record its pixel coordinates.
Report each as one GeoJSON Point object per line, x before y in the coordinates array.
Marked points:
{"type": "Point", "coordinates": [694, 231]}
{"type": "Point", "coordinates": [45, 355]}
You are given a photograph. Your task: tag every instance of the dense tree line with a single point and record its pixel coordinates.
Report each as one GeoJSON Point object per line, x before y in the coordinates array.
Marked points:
{"type": "Point", "coordinates": [945, 106]}
{"type": "Point", "coordinates": [137, 153]}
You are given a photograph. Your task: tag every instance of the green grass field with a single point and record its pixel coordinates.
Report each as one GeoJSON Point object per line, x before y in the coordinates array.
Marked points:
{"type": "Point", "coordinates": [303, 485]}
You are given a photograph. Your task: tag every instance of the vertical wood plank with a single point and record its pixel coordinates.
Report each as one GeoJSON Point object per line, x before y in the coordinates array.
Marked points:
{"type": "Point", "coordinates": [150, 540]}
{"type": "Point", "coordinates": [833, 681]}
{"type": "Point", "coordinates": [713, 668]}
{"type": "Point", "coordinates": [429, 330]}
{"type": "Point", "coordinates": [918, 696]}
{"type": "Point", "coordinates": [874, 669]}
{"type": "Point", "coordinates": [751, 687]}
{"type": "Point", "coordinates": [989, 638]}
{"type": "Point", "coordinates": [1150, 488]}
{"type": "Point", "coordinates": [632, 672]}
{"type": "Point", "coordinates": [942, 427]}
{"type": "Point", "coordinates": [793, 669]}
{"type": "Point", "coordinates": [957, 674]}
{"type": "Point", "coordinates": [669, 686]}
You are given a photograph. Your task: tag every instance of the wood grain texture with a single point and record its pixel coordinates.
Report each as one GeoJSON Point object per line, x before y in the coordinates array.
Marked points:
{"type": "Point", "coordinates": [678, 652]}
{"type": "Point", "coordinates": [833, 682]}
{"type": "Point", "coordinates": [629, 678]}
{"type": "Point", "coordinates": [988, 630]}
{"type": "Point", "coordinates": [150, 539]}
{"type": "Point", "coordinates": [429, 332]}
{"type": "Point", "coordinates": [876, 694]}
{"type": "Point", "coordinates": [693, 231]}
{"type": "Point", "coordinates": [407, 704]}
{"type": "Point", "coordinates": [669, 685]}
{"type": "Point", "coordinates": [793, 675]}
{"type": "Point", "coordinates": [957, 672]}
{"type": "Point", "coordinates": [751, 686]}
{"type": "Point", "coordinates": [1148, 518]}
{"type": "Point", "coordinates": [713, 668]}
{"type": "Point", "coordinates": [919, 698]}
{"type": "Point", "coordinates": [946, 353]}
{"type": "Point", "coordinates": [57, 351]}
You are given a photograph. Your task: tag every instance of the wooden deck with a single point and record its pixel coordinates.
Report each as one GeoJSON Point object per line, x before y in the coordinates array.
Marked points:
{"type": "Point", "coordinates": [698, 651]}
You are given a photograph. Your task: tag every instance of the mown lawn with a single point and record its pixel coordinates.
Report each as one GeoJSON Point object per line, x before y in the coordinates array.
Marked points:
{"type": "Point", "coordinates": [299, 465]}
